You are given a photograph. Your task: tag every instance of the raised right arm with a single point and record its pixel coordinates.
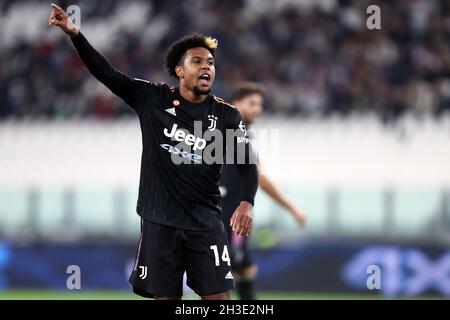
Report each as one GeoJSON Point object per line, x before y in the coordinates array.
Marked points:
{"type": "Point", "coordinates": [119, 83]}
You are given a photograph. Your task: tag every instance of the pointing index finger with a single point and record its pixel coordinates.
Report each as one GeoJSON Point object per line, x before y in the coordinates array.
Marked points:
{"type": "Point", "coordinates": [52, 16]}
{"type": "Point", "coordinates": [57, 8]}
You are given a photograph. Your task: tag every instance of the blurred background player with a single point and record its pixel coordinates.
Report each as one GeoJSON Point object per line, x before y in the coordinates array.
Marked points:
{"type": "Point", "coordinates": [248, 98]}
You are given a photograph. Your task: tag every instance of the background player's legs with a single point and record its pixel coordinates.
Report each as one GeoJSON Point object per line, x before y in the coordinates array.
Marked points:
{"type": "Point", "coordinates": [245, 282]}
{"type": "Point", "coordinates": [243, 267]}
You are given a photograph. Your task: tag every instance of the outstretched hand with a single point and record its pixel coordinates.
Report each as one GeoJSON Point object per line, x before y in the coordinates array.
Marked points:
{"type": "Point", "coordinates": [58, 17]}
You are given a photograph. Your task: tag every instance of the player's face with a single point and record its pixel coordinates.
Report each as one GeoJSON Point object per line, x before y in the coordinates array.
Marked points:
{"type": "Point", "coordinates": [250, 107]}
{"type": "Point", "coordinates": [198, 70]}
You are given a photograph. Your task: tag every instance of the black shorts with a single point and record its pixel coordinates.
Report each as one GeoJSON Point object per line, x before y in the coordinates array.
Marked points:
{"type": "Point", "coordinates": [165, 253]}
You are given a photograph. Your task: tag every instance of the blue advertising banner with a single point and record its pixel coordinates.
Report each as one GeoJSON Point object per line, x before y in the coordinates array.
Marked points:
{"type": "Point", "coordinates": [341, 267]}
{"type": "Point", "coordinates": [390, 270]}
{"type": "Point", "coordinates": [104, 267]}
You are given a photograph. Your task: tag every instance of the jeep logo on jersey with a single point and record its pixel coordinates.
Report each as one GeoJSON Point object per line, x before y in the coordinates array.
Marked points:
{"type": "Point", "coordinates": [189, 139]}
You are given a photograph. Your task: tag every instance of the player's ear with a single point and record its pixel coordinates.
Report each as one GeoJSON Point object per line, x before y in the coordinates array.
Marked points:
{"type": "Point", "coordinates": [179, 70]}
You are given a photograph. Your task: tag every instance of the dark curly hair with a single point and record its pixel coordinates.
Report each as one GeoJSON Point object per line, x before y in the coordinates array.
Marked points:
{"type": "Point", "coordinates": [177, 50]}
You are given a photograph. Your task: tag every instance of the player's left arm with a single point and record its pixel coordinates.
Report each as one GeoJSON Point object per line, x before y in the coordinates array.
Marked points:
{"type": "Point", "coordinates": [242, 219]}
{"type": "Point", "coordinates": [275, 193]}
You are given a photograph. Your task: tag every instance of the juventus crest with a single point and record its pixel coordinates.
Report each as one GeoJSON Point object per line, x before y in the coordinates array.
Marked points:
{"type": "Point", "coordinates": [212, 122]}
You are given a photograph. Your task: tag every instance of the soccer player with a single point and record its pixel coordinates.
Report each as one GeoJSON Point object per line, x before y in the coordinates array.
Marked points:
{"type": "Point", "coordinates": [179, 197]}
{"type": "Point", "coordinates": [248, 99]}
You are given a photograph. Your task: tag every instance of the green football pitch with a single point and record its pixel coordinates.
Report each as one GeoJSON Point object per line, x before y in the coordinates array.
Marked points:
{"type": "Point", "coordinates": [125, 295]}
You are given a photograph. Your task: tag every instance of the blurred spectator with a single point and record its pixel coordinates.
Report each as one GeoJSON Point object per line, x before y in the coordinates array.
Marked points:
{"type": "Point", "coordinates": [314, 57]}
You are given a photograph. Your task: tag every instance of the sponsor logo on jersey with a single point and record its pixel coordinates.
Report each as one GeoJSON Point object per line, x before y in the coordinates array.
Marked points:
{"type": "Point", "coordinates": [174, 150]}
{"type": "Point", "coordinates": [171, 111]}
{"type": "Point", "coordinates": [242, 127]}
{"type": "Point", "coordinates": [242, 139]}
{"type": "Point", "coordinates": [229, 276]}
{"type": "Point", "coordinates": [180, 135]}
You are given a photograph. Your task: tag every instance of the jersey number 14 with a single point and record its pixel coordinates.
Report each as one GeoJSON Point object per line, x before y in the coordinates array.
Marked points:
{"type": "Point", "coordinates": [225, 255]}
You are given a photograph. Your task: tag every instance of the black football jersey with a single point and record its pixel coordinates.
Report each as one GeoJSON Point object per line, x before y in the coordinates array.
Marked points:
{"type": "Point", "coordinates": [184, 146]}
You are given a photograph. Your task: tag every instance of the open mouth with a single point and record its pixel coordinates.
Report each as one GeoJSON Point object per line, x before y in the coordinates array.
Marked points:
{"type": "Point", "coordinates": [204, 79]}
